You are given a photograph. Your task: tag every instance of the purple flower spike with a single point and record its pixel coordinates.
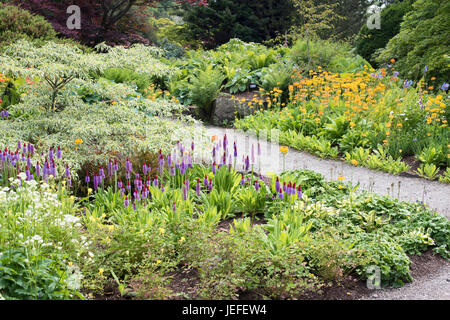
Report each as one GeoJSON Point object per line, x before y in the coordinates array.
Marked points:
{"type": "Point", "coordinates": [59, 153]}
{"type": "Point", "coordinates": [50, 154]}
{"type": "Point", "coordinates": [242, 181]}
{"type": "Point", "coordinates": [257, 185]}
{"type": "Point", "coordinates": [214, 168]}
{"type": "Point", "coordinates": [134, 206]}
{"type": "Point", "coordinates": [67, 171]}
{"type": "Point", "coordinates": [126, 202]}
{"type": "Point", "coordinates": [277, 185]}
{"type": "Point", "coordinates": [247, 163]}
{"type": "Point", "coordinates": [299, 192]}
{"type": "Point", "coordinates": [197, 187]}
{"type": "Point", "coordinates": [110, 169]}
{"type": "Point", "coordinates": [280, 195]}
{"type": "Point", "coordinates": [38, 169]}
{"type": "Point", "coordinates": [119, 184]}
{"type": "Point", "coordinates": [184, 192]}
{"type": "Point", "coordinates": [115, 166]}
{"type": "Point", "coordinates": [174, 207]}
{"type": "Point", "coordinates": [156, 182]}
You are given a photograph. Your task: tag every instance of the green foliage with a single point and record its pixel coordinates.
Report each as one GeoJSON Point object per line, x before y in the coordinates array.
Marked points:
{"type": "Point", "coordinates": [17, 23]}
{"type": "Point", "coordinates": [26, 276]}
{"type": "Point", "coordinates": [332, 56]}
{"type": "Point", "coordinates": [422, 41]}
{"type": "Point", "coordinates": [251, 21]}
{"type": "Point", "coordinates": [204, 88]}
{"type": "Point", "coordinates": [370, 40]}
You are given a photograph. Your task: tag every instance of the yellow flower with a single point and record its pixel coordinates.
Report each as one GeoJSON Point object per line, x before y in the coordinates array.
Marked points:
{"type": "Point", "coordinates": [100, 271]}
{"type": "Point", "coordinates": [161, 231]}
{"type": "Point", "coordinates": [340, 187]}
{"type": "Point", "coordinates": [352, 124]}
{"type": "Point", "coordinates": [340, 178]}
{"type": "Point", "coordinates": [158, 261]}
{"type": "Point", "coordinates": [284, 149]}
{"type": "Point", "coordinates": [182, 239]}
{"type": "Point", "coordinates": [78, 141]}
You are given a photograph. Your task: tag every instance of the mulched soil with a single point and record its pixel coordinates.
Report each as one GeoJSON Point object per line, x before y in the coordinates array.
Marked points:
{"type": "Point", "coordinates": [185, 281]}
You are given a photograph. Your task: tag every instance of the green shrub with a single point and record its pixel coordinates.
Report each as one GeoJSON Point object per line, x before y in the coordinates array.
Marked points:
{"type": "Point", "coordinates": [16, 23]}
{"type": "Point", "coordinates": [332, 56]}
{"type": "Point", "coordinates": [24, 276]}
{"type": "Point", "coordinates": [204, 88]}
{"type": "Point", "coordinates": [422, 41]}
{"type": "Point", "coordinates": [369, 40]}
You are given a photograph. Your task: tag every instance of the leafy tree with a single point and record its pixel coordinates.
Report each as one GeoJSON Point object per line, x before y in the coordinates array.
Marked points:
{"type": "Point", "coordinates": [251, 21]}
{"type": "Point", "coordinates": [369, 40]}
{"type": "Point", "coordinates": [423, 41]}
{"type": "Point", "coordinates": [99, 17]}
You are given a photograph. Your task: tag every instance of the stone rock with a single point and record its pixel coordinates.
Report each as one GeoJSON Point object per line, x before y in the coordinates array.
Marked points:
{"type": "Point", "coordinates": [226, 109]}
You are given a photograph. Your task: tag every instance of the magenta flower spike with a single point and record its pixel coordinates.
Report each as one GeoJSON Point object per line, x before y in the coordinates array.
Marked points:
{"type": "Point", "coordinates": [50, 154]}
{"type": "Point", "coordinates": [197, 187]}
{"type": "Point", "coordinates": [38, 169]}
{"type": "Point", "coordinates": [257, 185]}
{"type": "Point", "coordinates": [174, 207]}
{"type": "Point", "coordinates": [242, 181]}
{"type": "Point", "coordinates": [67, 171]}
{"type": "Point", "coordinates": [110, 168]}
{"type": "Point", "coordinates": [87, 179]}
{"type": "Point", "coordinates": [299, 192]}
{"type": "Point", "coordinates": [214, 168]}
{"type": "Point", "coordinates": [59, 153]}
{"type": "Point", "coordinates": [126, 202]}
{"type": "Point", "coordinates": [247, 164]}
{"type": "Point", "coordinates": [119, 184]}
{"type": "Point", "coordinates": [28, 161]}
{"type": "Point", "coordinates": [184, 192]}
{"type": "Point", "coordinates": [277, 185]}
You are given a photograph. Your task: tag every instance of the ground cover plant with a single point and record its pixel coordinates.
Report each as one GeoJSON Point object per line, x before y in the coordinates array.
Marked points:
{"type": "Point", "coordinates": [136, 227]}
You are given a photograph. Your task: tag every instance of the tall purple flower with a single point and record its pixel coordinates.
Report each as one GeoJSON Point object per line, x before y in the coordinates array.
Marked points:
{"type": "Point", "coordinates": [110, 168]}
{"type": "Point", "coordinates": [50, 154]}
{"type": "Point", "coordinates": [299, 192]}
{"type": "Point", "coordinates": [126, 202]}
{"type": "Point", "coordinates": [59, 153]}
{"type": "Point", "coordinates": [38, 169]}
{"type": "Point", "coordinates": [197, 187]}
{"type": "Point", "coordinates": [214, 168]}
{"type": "Point", "coordinates": [67, 171]}
{"type": "Point", "coordinates": [247, 163]}
{"type": "Point", "coordinates": [277, 185]}
{"type": "Point", "coordinates": [128, 165]}
{"type": "Point", "coordinates": [257, 185]}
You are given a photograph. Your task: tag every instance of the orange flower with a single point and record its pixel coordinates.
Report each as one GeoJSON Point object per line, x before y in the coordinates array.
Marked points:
{"type": "Point", "coordinates": [213, 138]}
{"type": "Point", "coordinates": [392, 60]}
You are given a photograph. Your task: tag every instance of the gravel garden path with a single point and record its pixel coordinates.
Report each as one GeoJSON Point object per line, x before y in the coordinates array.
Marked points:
{"type": "Point", "coordinates": [432, 281]}
{"type": "Point", "coordinates": [434, 194]}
